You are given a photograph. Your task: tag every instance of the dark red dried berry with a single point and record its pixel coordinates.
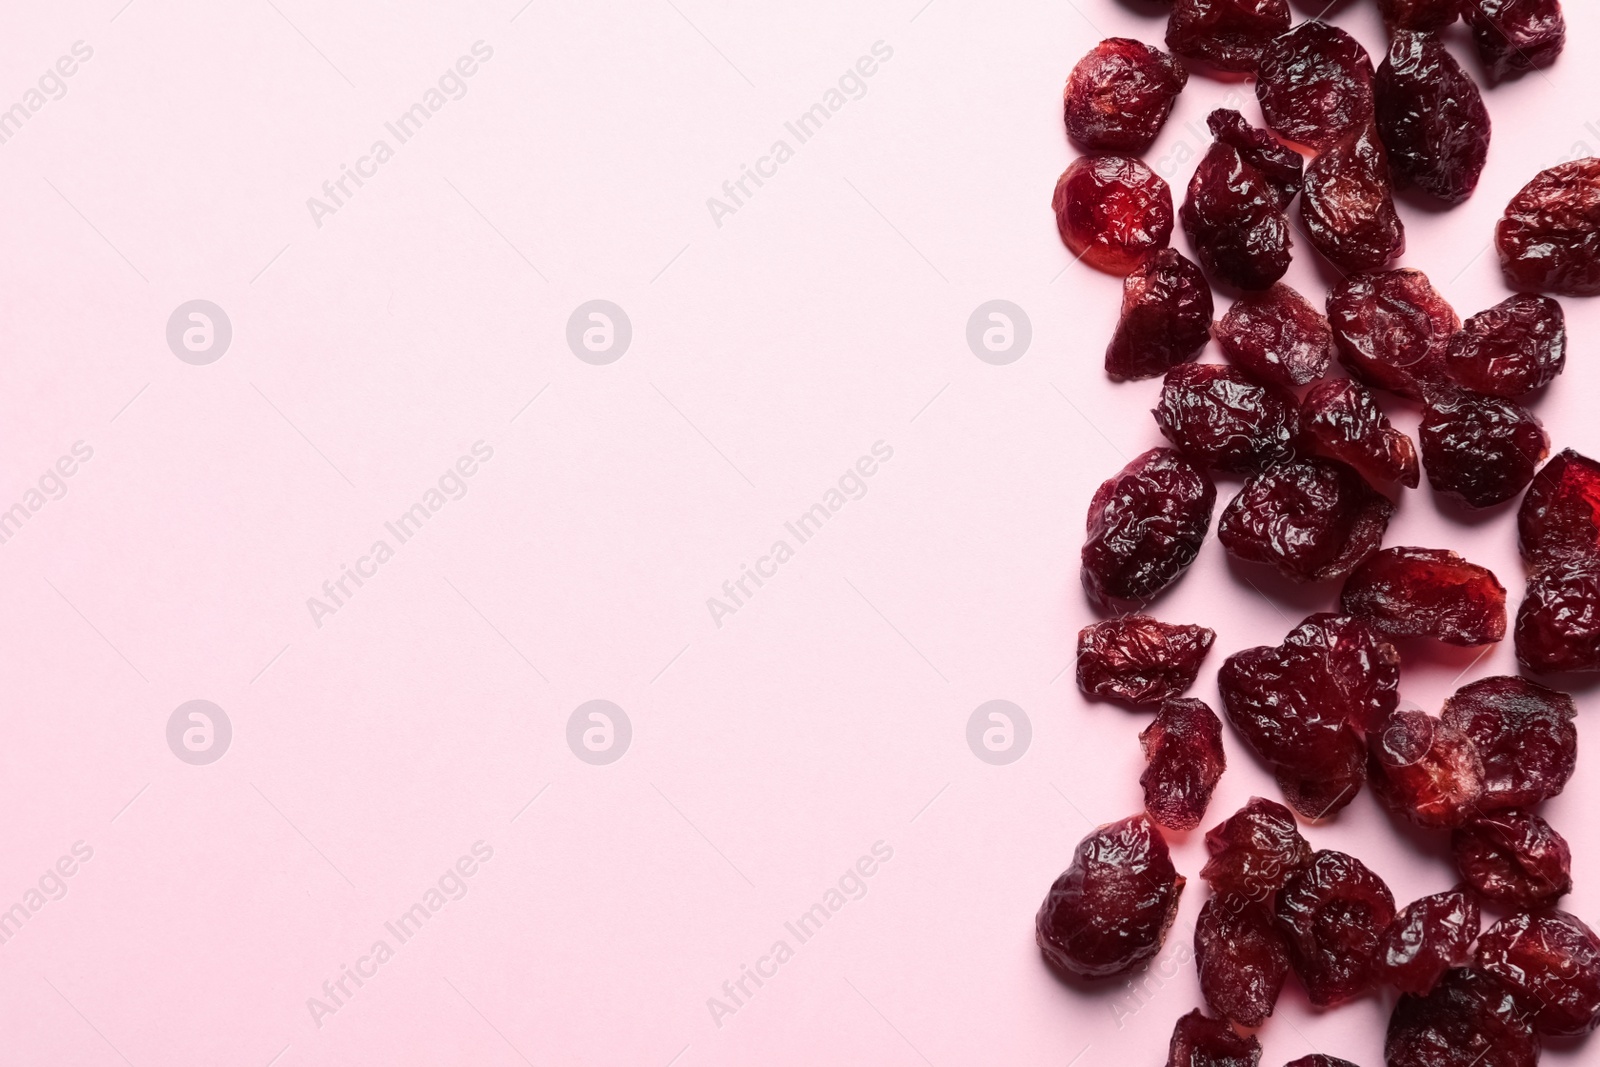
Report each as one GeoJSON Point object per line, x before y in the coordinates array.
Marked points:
{"type": "Point", "coordinates": [1513, 858]}
{"type": "Point", "coordinates": [1549, 238]}
{"type": "Point", "coordinates": [1356, 669]}
{"type": "Point", "coordinates": [1315, 84]}
{"type": "Point", "coordinates": [1281, 165]}
{"type": "Point", "coordinates": [1431, 118]}
{"type": "Point", "coordinates": [1558, 624]}
{"type": "Point", "coordinates": [1254, 851]}
{"type": "Point", "coordinates": [1222, 418]}
{"type": "Point", "coordinates": [1323, 793]}
{"type": "Point", "coordinates": [1340, 419]}
{"type": "Point", "coordinates": [1483, 449]}
{"type": "Point", "coordinates": [1120, 94]}
{"type": "Point", "coordinates": [1110, 911]}
{"type": "Point", "coordinates": [1184, 749]}
{"type": "Point", "coordinates": [1140, 660]}
{"type": "Point", "coordinates": [1425, 769]}
{"type": "Point", "coordinates": [1227, 34]}
{"type": "Point", "coordinates": [1336, 913]}
{"type": "Point", "coordinates": [1201, 1042]}
{"type": "Point", "coordinates": [1242, 958]}
{"type": "Point", "coordinates": [1524, 735]}
{"type": "Point", "coordinates": [1278, 336]}
{"type": "Point", "coordinates": [1427, 938]}
{"type": "Point", "coordinates": [1166, 317]}
{"type": "Point", "coordinates": [1511, 349]}
{"type": "Point", "coordinates": [1551, 963]}
{"type": "Point", "coordinates": [1315, 521]}
{"type": "Point", "coordinates": [1145, 526]}
{"type": "Point", "coordinates": [1348, 204]}
{"type": "Point", "coordinates": [1235, 220]}
{"type": "Point", "coordinates": [1515, 36]}
{"type": "Point", "coordinates": [1418, 14]}
{"type": "Point", "coordinates": [1560, 516]}
{"type": "Point", "coordinates": [1469, 1020]}
{"type": "Point", "coordinates": [1428, 592]}
{"type": "Point", "coordinates": [1111, 210]}
{"type": "Point", "coordinates": [1392, 330]}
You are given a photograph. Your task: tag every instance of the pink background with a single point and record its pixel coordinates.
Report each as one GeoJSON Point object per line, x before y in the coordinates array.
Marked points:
{"type": "Point", "coordinates": [768, 754]}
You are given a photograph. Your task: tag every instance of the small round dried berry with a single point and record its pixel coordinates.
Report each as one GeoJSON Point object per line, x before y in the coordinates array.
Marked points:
{"type": "Point", "coordinates": [1184, 749]}
{"type": "Point", "coordinates": [1551, 963]}
{"type": "Point", "coordinates": [1254, 851]}
{"type": "Point", "coordinates": [1278, 336]}
{"type": "Point", "coordinates": [1315, 521]}
{"type": "Point", "coordinates": [1469, 1020]}
{"type": "Point", "coordinates": [1227, 34]}
{"type": "Point", "coordinates": [1348, 204]}
{"type": "Point", "coordinates": [1281, 165]}
{"type": "Point", "coordinates": [1418, 14]}
{"type": "Point", "coordinates": [1392, 330]}
{"type": "Point", "coordinates": [1221, 418]}
{"type": "Point", "coordinates": [1357, 668]}
{"type": "Point", "coordinates": [1233, 217]}
{"type": "Point", "coordinates": [1524, 734]}
{"type": "Point", "coordinates": [1431, 117]}
{"type": "Point", "coordinates": [1166, 317]}
{"type": "Point", "coordinates": [1560, 516]}
{"type": "Point", "coordinates": [1336, 913]}
{"type": "Point", "coordinates": [1340, 419]}
{"type": "Point", "coordinates": [1510, 350]}
{"type": "Point", "coordinates": [1427, 938]}
{"type": "Point", "coordinates": [1242, 958]}
{"type": "Point", "coordinates": [1549, 238]}
{"type": "Point", "coordinates": [1425, 769]}
{"type": "Point", "coordinates": [1111, 210]}
{"type": "Point", "coordinates": [1428, 592]}
{"type": "Point", "coordinates": [1558, 624]}
{"type": "Point", "coordinates": [1483, 449]}
{"type": "Point", "coordinates": [1120, 94]}
{"type": "Point", "coordinates": [1146, 526]}
{"type": "Point", "coordinates": [1513, 858]}
{"type": "Point", "coordinates": [1140, 660]}
{"type": "Point", "coordinates": [1315, 85]}
{"type": "Point", "coordinates": [1515, 36]}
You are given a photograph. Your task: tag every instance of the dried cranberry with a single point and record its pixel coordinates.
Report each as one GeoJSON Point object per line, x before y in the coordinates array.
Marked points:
{"type": "Point", "coordinates": [1558, 624]}
{"type": "Point", "coordinates": [1281, 165]}
{"type": "Point", "coordinates": [1418, 14]}
{"type": "Point", "coordinates": [1242, 958]}
{"type": "Point", "coordinates": [1140, 660]}
{"type": "Point", "coordinates": [1348, 204]}
{"type": "Point", "coordinates": [1515, 36]}
{"type": "Point", "coordinates": [1427, 938]}
{"type": "Point", "coordinates": [1560, 516]}
{"type": "Point", "coordinates": [1315, 84]}
{"type": "Point", "coordinates": [1223, 419]}
{"type": "Point", "coordinates": [1483, 449]}
{"type": "Point", "coordinates": [1356, 669]}
{"type": "Point", "coordinates": [1227, 34]}
{"type": "Point", "coordinates": [1120, 94]}
{"type": "Point", "coordinates": [1340, 419]}
{"type": "Point", "coordinates": [1184, 749]}
{"type": "Point", "coordinates": [1201, 1042]}
{"type": "Point", "coordinates": [1549, 238]}
{"type": "Point", "coordinates": [1315, 521]}
{"type": "Point", "coordinates": [1524, 734]}
{"type": "Point", "coordinates": [1323, 793]}
{"type": "Point", "coordinates": [1431, 117]}
{"type": "Point", "coordinates": [1146, 525]}
{"type": "Point", "coordinates": [1278, 336]}
{"type": "Point", "coordinates": [1111, 210]}
{"type": "Point", "coordinates": [1428, 592]}
{"type": "Point", "coordinates": [1425, 769]}
{"type": "Point", "coordinates": [1254, 851]}
{"type": "Point", "coordinates": [1109, 911]}
{"type": "Point", "coordinates": [1513, 858]}
{"type": "Point", "coordinates": [1469, 1020]}
{"type": "Point", "coordinates": [1235, 221]}
{"type": "Point", "coordinates": [1166, 317]}
{"type": "Point", "coordinates": [1511, 349]}
{"type": "Point", "coordinates": [1336, 913]}
{"type": "Point", "coordinates": [1551, 963]}
{"type": "Point", "coordinates": [1392, 330]}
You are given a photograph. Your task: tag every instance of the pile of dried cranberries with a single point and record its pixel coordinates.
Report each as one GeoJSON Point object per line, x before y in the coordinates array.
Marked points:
{"type": "Point", "coordinates": [1321, 467]}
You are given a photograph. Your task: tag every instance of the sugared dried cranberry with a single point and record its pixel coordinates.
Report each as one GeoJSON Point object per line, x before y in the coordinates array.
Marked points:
{"type": "Point", "coordinates": [1549, 238]}
{"type": "Point", "coordinates": [1425, 769]}
{"type": "Point", "coordinates": [1166, 317]}
{"type": "Point", "coordinates": [1184, 749]}
{"type": "Point", "coordinates": [1483, 449]}
{"type": "Point", "coordinates": [1201, 1042]}
{"type": "Point", "coordinates": [1340, 419]}
{"type": "Point", "coordinates": [1418, 14]}
{"type": "Point", "coordinates": [1120, 94]}
{"type": "Point", "coordinates": [1146, 525]}
{"type": "Point", "coordinates": [1560, 516]}
{"type": "Point", "coordinates": [1139, 659]}
{"type": "Point", "coordinates": [1242, 958]}
{"type": "Point", "coordinates": [1558, 624]}
{"type": "Point", "coordinates": [1278, 336]}
{"type": "Point", "coordinates": [1235, 221]}
{"type": "Point", "coordinates": [1551, 962]}
{"type": "Point", "coordinates": [1221, 418]}
{"type": "Point", "coordinates": [1336, 913]}
{"type": "Point", "coordinates": [1515, 36]}
{"type": "Point", "coordinates": [1111, 210]}
{"type": "Point", "coordinates": [1348, 204]}
{"type": "Point", "coordinates": [1427, 938]}
{"type": "Point", "coordinates": [1315, 521]}
{"type": "Point", "coordinates": [1428, 592]}
{"type": "Point", "coordinates": [1511, 349]}
{"type": "Point", "coordinates": [1469, 1020]}
{"type": "Point", "coordinates": [1281, 165]}
{"type": "Point", "coordinates": [1392, 330]}
{"type": "Point", "coordinates": [1315, 84]}
{"type": "Point", "coordinates": [1109, 911]}
{"type": "Point", "coordinates": [1227, 34]}
{"type": "Point", "coordinates": [1254, 851]}
{"type": "Point", "coordinates": [1513, 858]}
{"type": "Point", "coordinates": [1431, 117]}
{"type": "Point", "coordinates": [1524, 734]}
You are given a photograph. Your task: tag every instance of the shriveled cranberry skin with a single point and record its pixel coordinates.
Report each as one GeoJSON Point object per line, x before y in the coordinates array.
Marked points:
{"type": "Point", "coordinates": [1549, 238]}
{"type": "Point", "coordinates": [1140, 660]}
{"type": "Point", "coordinates": [1166, 317]}
{"type": "Point", "coordinates": [1523, 733]}
{"type": "Point", "coordinates": [1428, 592]}
{"type": "Point", "coordinates": [1315, 84]}
{"type": "Point", "coordinates": [1431, 117]}
{"type": "Point", "coordinates": [1340, 419]}
{"type": "Point", "coordinates": [1392, 330]}
{"type": "Point", "coordinates": [1281, 165]}
{"type": "Point", "coordinates": [1110, 911]}
{"type": "Point", "coordinates": [1277, 336]}
{"type": "Point", "coordinates": [1183, 747]}
{"type": "Point", "coordinates": [1336, 913]}
{"type": "Point", "coordinates": [1558, 624]}
{"type": "Point", "coordinates": [1198, 1041]}
{"type": "Point", "coordinates": [1227, 34]}
{"type": "Point", "coordinates": [1513, 858]}
{"type": "Point", "coordinates": [1315, 521]}
{"type": "Point", "coordinates": [1242, 958]}
{"type": "Point", "coordinates": [1233, 217]}
{"type": "Point", "coordinates": [1515, 36]}
{"type": "Point", "coordinates": [1560, 515]}
{"type": "Point", "coordinates": [1428, 937]}
{"type": "Point", "coordinates": [1425, 15]}
{"type": "Point", "coordinates": [1111, 210]}
{"type": "Point", "coordinates": [1254, 851]}
{"type": "Point", "coordinates": [1510, 350]}
{"type": "Point", "coordinates": [1469, 1020]}
{"type": "Point", "coordinates": [1348, 204]}
{"type": "Point", "coordinates": [1120, 94]}
{"type": "Point", "coordinates": [1551, 963]}
{"type": "Point", "coordinates": [1222, 418]}
{"type": "Point", "coordinates": [1483, 449]}
{"type": "Point", "coordinates": [1425, 769]}
{"type": "Point", "coordinates": [1146, 526]}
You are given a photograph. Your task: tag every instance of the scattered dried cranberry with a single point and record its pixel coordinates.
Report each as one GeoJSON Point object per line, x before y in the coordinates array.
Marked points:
{"type": "Point", "coordinates": [1551, 963]}
{"type": "Point", "coordinates": [1515, 36]}
{"type": "Point", "coordinates": [1227, 34]}
{"type": "Point", "coordinates": [1201, 1042]}
{"type": "Point", "coordinates": [1281, 165]}
{"type": "Point", "coordinates": [1348, 204]}
{"type": "Point", "coordinates": [1139, 659]}
{"type": "Point", "coordinates": [1315, 84]}
{"type": "Point", "coordinates": [1235, 220]}
{"type": "Point", "coordinates": [1511, 349]}
{"type": "Point", "coordinates": [1166, 317]}
{"type": "Point", "coordinates": [1392, 330]}
{"type": "Point", "coordinates": [1425, 769]}
{"type": "Point", "coordinates": [1558, 625]}
{"type": "Point", "coordinates": [1146, 525]}
{"type": "Point", "coordinates": [1120, 94]}
{"type": "Point", "coordinates": [1336, 913]}
{"type": "Point", "coordinates": [1431, 118]}
{"type": "Point", "coordinates": [1524, 734]}
{"type": "Point", "coordinates": [1427, 938]}
{"type": "Point", "coordinates": [1278, 336]}
{"type": "Point", "coordinates": [1428, 592]}
{"type": "Point", "coordinates": [1418, 14]}
{"type": "Point", "coordinates": [1315, 521]}
{"type": "Point", "coordinates": [1242, 958]}
{"type": "Point", "coordinates": [1513, 858]}
{"type": "Point", "coordinates": [1469, 1020]}
{"type": "Point", "coordinates": [1560, 516]}
{"type": "Point", "coordinates": [1340, 419]}
{"type": "Point", "coordinates": [1483, 449]}
{"type": "Point", "coordinates": [1184, 749]}
{"type": "Point", "coordinates": [1109, 911]}
{"type": "Point", "coordinates": [1254, 851]}
{"type": "Point", "coordinates": [1549, 238]}
{"type": "Point", "coordinates": [1111, 210]}
{"type": "Point", "coordinates": [1221, 418]}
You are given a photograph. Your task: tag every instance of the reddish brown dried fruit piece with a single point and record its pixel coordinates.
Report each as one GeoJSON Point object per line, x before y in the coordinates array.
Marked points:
{"type": "Point", "coordinates": [1348, 204]}
{"type": "Point", "coordinates": [1184, 749]}
{"type": "Point", "coordinates": [1315, 84]}
{"type": "Point", "coordinates": [1510, 350]}
{"type": "Point", "coordinates": [1549, 238]}
{"type": "Point", "coordinates": [1146, 526]}
{"type": "Point", "coordinates": [1558, 624]}
{"type": "Point", "coordinates": [1469, 1020]}
{"type": "Point", "coordinates": [1392, 330]}
{"type": "Point", "coordinates": [1120, 94]}
{"type": "Point", "coordinates": [1340, 419]}
{"type": "Point", "coordinates": [1227, 34]}
{"type": "Point", "coordinates": [1235, 219]}
{"type": "Point", "coordinates": [1515, 36]}
{"type": "Point", "coordinates": [1139, 659]}
{"type": "Point", "coordinates": [1198, 1041]}
{"type": "Point", "coordinates": [1111, 210]}
{"type": "Point", "coordinates": [1166, 317]}
{"type": "Point", "coordinates": [1278, 336]}
{"type": "Point", "coordinates": [1483, 449]}
{"type": "Point", "coordinates": [1281, 165]}
{"type": "Point", "coordinates": [1336, 913]}
{"type": "Point", "coordinates": [1254, 851]}
{"type": "Point", "coordinates": [1221, 418]}
{"type": "Point", "coordinates": [1428, 592]}
{"type": "Point", "coordinates": [1418, 14]}
{"type": "Point", "coordinates": [1560, 516]}
{"type": "Point", "coordinates": [1110, 911]}
{"type": "Point", "coordinates": [1427, 938]}
{"type": "Point", "coordinates": [1524, 735]}
{"type": "Point", "coordinates": [1242, 958]}
{"type": "Point", "coordinates": [1315, 521]}
{"type": "Point", "coordinates": [1425, 769]}
{"type": "Point", "coordinates": [1431, 118]}
{"type": "Point", "coordinates": [1513, 858]}
{"type": "Point", "coordinates": [1551, 963]}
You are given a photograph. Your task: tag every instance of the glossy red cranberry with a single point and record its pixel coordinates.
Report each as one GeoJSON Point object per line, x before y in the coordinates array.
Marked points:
{"type": "Point", "coordinates": [1111, 210]}
{"type": "Point", "coordinates": [1336, 913]}
{"type": "Point", "coordinates": [1235, 221]}
{"type": "Point", "coordinates": [1558, 624]}
{"type": "Point", "coordinates": [1166, 317]}
{"type": "Point", "coordinates": [1469, 1020]}
{"type": "Point", "coordinates": [1431, 118]}
{"type": "Point", "coordinates": [1551, 963]}
{"type": "Point", "coordinates": [1198, 1041]}
{"type": "Point", "coordinates": [1418, 14]}
{"type": "Point", "coordinates": [1428, 592]}
{"type": "Point", "coordinates": [1513, 858]}
{"type": "Point", "coordinates": [1242, 958]}
{"type": "Point", "coordinates": [1510, 350]}
{"type": "Point", "coordinates": [1278, 336]}
{"type": "Point", "coordinates": [1281, 165]}
{"type": "Point", "coordinates": [1560, 515]}
{"type": "Point", "coordinates": [1340, 419]}
{"type": "Point", "coordinates": [1356, 669]}
{"type": "Point", "coordinates": [1515, 36]}
{"type": "Point", "coordinates": [1427, 938]}
{"type": "Point", "coordinates": [1145, 527]}
{"type": "Point", "coordinates": [1348, 204]}
{"type": "Point", "coordinates": [1110, 911]}
{"type": "Point", "coordinates": [1425, 770]}
{"type": "Point", "coordinates": [1226, 34]}
{"type": "Point", "coordinates": [1222, 418]}
{"type": "Point", "coordinates": [1549, 238]}
{"type": "Point", "coordinates": [1315, 521]}
{"type": "Point", "coordinates": [1483, 449]}
{"type": "Point", "coordinates": [1524, 735]}
{"type": "Point", "coordinates": [1183, 747]}
{"type": "Point", "coordinates": [1392, 330]}
{"type": "Point", "coordinates": [1254, 851]}
{"type": "Point", "coordinates": [1140, 660]}
{"type": "Point", "coordinates": [1315, 85]}
{"type": "Point", "coordinates": [1120, 94]}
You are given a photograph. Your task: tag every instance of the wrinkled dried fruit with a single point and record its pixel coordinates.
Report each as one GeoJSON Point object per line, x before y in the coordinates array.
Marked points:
{"type": "Point", "coordinates": [1513, 858]}
{"type": "Point", "coordinates": [1109, 911]}
{"type": "Point", "coordinates": [1336, 913]}
{"type": "Point", "coordinates": [1558, 624]}
{"type": "Point", "coordinates": [1120, 94]}
{"type": "Point", "coordinates": [1428, 592]}
{"type": "Point", "coordinates": [1166, 317]}
{"type": "Point", "coordinates": [1483, 449]}
{"type": "Point", "coordinates": [1184, 749]}
{"type": "Point", "coordinates": [1392, 330]}
{"type": "Point", "coordinates": [1431, 118]}
{"type": "Point", "coordinates": [1140, 660]}
{"type": "Point", "coordinates": [1235, 220]}
{"type": "Point", "coordinates": [1340, 419]}
{"type": "Point", "coordinates": [1551, 963]}
{"type": "Point", "coordinates": [1146, 525]}
{"type": "Point", "coordinates": [1427, 938]}
{"type": "Point", "coordinates": [1515, 36]}
{"type": "Point", "coordinates": [1228, 34]}
{"type": "Point", "coordinates": [1242, 958]}
{"type": "Point", "coordinates": [1549, 238]}
{"type": "Point", "coordinates": [1278, 336]}
{"type": "Point", "coordinates": [1315, 84]}
{"type": "Point", "coordinates": [1281, 165]}
{"type": "Point", "coordinates": [1111, 210]}
{"type": "Point", "coordinates": [1524, 735]}
{"type": "Point", "coordinates": [1254, 851]}
{"type": "Point", "coordinates": [1511, 349]}
{"type": "Point", "coordinates": [1469, 1020]}
{"type": "Point", "coordinates": [1348, 204]}
{"type": "Point", "coordinates": [1425, 769]}
{"type": "Point", "coordinates": [1418, 14]}
{"type": "Point", "coordinates": [1221, 418]}
{"type": "Point", "coordinates": [1560, 516]}
{"type": "Point", "coordinates": [1323, 793]}
{"type": "Point", "coordinates": [1201, 1042]}
{"type": "Point", "coordinates": [1315, 521]}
